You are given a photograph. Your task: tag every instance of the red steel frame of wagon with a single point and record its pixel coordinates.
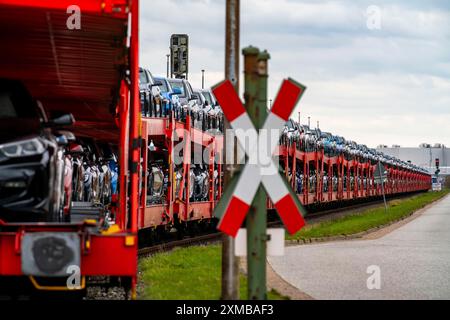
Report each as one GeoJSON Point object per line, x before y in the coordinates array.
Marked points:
{"type": "Point", "coordinates": [177, 208]}
{"type": "Point", "coordinates": [399, 180]}
{"type": "Point", "coordinates": [93, 73]}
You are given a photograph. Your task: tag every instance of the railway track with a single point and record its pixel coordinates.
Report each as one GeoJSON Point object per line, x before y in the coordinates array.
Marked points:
{"type": "Point", "coordinates": [216, 236]}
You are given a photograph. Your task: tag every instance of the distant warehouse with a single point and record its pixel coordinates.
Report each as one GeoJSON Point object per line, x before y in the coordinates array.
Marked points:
{"type": "Point", "coordinates": [425, 156]}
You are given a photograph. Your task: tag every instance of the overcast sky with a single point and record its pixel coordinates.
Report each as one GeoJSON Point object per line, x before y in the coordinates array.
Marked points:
{"type": "Point", "coordinates": [387, 85]}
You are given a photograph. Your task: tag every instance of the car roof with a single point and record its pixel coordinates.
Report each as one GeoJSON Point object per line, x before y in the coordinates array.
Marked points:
{"type": "Point", "coordinates": [175, 80]}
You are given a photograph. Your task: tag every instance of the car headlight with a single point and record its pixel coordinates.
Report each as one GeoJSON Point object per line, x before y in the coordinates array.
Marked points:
{"type": "Point", "coordinates": [22, 148]}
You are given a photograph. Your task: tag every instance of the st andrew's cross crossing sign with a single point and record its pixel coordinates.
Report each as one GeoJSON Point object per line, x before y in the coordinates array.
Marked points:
{"type": "Point", "coordinates": [260, 167]}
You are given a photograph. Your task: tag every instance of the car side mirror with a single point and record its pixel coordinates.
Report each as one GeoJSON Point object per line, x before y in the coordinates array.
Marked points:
{"type": "Point", "coordinates": [75, 148]}
{"type": "Point", "coordinates": [193, 97]}
{"type": "Point", "coordinates": [69, 135]}
{"type": "Point", "coordinates": [206, 103]}
{"type": "Point", "coordinates": [216, 104]}
{"type": "Point", "coordinates": [64, 120]}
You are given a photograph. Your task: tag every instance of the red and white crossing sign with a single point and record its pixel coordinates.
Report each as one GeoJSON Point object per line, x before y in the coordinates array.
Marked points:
{"type": "Point", "coordinates": [260, 167]}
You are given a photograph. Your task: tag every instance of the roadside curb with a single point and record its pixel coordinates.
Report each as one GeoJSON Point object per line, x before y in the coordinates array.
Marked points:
{"type": "Point", "coordinates": [362, 234]}
{"type": "Point", "coordinates": [344, 236]}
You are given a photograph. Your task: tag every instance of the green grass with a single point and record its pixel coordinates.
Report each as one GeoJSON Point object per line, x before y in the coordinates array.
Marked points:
{"type": "Point", "coordinates": [369, 218]}
{"type": "Point", "coordinates": [192, 273]}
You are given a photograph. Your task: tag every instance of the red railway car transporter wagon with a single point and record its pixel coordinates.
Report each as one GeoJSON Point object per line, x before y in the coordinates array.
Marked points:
{"type": "Point", "coordinates": [176, 207]}
{"type": "Point", "coordinates": [335, 178]}
{"type": "Point", "coordinates": [91, 72]}
{"type": "Point", "coordinates": [326, 180]}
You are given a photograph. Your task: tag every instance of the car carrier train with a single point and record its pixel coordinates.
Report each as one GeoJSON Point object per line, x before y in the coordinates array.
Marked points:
{"type": "Point", "coordinates": [94, 150]}
{"type": "Point", "coordinates": [324, 169]}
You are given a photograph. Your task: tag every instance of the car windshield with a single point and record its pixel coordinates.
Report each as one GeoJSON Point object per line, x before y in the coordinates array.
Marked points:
{"type": "Point", "coordinates": [7, 109]}
{"type": "Point", "coordinates": [178, 85]}
{"type": "Point", "coordinates": [201, 98]}
{"type": "Point", "coordinates": [163, 85]}
{"type": "Point", "coordinates": [142, 77]}
{"type": "Point", "coordinates": [15, 105]}
{"type": "Point", "coordinates": [208, 97]}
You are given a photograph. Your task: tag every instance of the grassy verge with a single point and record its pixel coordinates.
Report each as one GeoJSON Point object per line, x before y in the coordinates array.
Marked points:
{"type": "Point", "coordinates": [369, 218]}
{"type": "Point", "coordinates": [192, 273]}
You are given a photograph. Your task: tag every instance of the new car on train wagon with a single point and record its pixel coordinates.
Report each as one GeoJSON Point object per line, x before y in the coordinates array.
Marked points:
{"type": "Point", "coordinates": [30, 175]}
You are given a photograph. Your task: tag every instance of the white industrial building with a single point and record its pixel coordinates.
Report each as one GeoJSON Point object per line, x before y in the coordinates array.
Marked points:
{"type": "Point", "coordinates": [423, 156]}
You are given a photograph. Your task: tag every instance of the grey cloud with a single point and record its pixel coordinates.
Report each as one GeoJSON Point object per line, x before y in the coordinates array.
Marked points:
{"type": "Point", "coordinates": [362, 84]}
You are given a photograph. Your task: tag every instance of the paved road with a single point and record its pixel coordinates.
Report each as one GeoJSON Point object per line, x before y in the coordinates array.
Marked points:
{"type": "Point", "coordinates": [414, 262]}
